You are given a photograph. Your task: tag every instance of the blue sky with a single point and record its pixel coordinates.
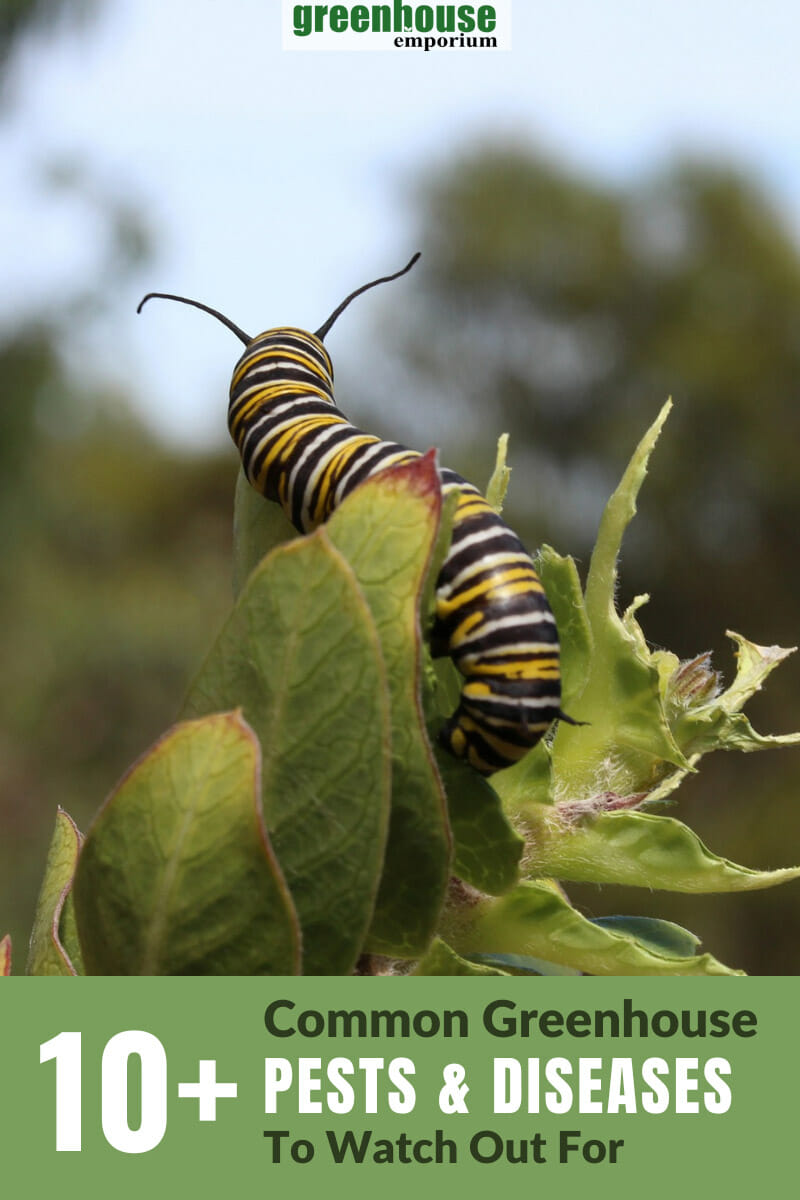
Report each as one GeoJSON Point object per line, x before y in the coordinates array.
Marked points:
{"type": "Point", "coordinates": [276, 182]}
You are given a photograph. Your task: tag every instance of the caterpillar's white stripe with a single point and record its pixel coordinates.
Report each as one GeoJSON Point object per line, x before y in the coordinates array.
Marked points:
{"type": "Point", "coordinates": [487, 628]}
{"type": "Point", "coordinates": [505, 558]}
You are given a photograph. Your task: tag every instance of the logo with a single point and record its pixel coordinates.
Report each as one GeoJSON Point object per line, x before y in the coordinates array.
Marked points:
{"type": "Point", "coordinates": [396, 26]}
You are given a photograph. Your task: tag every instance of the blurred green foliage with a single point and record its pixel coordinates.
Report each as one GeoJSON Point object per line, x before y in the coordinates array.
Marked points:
{"type": "Point", "coordinates": [115, 574]}
{"type": "Point", "coordinates": [566, 312]}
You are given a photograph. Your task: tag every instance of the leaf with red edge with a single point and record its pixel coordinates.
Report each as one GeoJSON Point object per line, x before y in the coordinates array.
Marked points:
{"type": "Point", "coordinates": [52, 951]}
{"type": "Point", "coordinates": [177, 876]}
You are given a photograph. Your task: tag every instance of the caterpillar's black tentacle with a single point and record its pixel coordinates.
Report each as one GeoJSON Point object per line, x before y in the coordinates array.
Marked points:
{"type": "Point", "coordinates": [243, 337]}
{"type": "Point", "coordinates": [323, 330]}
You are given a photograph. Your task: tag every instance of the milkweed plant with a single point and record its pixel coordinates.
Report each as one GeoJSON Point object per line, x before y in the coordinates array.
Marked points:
{"type": "Point", "coordinates": [301, 818]}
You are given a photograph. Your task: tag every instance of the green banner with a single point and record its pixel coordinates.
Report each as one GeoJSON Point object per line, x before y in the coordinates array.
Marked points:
{"type": "Point", "coordinates": [352, 1084]}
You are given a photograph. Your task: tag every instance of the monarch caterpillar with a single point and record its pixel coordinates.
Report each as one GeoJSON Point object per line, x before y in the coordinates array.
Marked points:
{"type": "Point", "coordinates": [492, 616]}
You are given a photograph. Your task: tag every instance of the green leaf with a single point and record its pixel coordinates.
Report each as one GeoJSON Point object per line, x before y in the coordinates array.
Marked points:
{"type": "Point", "coordinates": [441, 548]}
{"type": "Point", "coordinates": [523, 964]}
{"type": "Point", "coordinates": [68, 934]}
{"type": "Point", "coordinates": [754, 663]}
{"type": "Point", "coordinates": [258, 527]}
{"type": "Point", "coordinates": [650, 720]}
{"type": "Point", "coordinates": [619, 512]}
{"type": "Point", "coordinates": [537, 920]}
{"type": "Point", "coordinates": [501, 476]}
{"type": "Point", "coordinates": [442, 960]}
{"type": "Point", "coordinates": [715, 723]}
{"type": "Point", "coordinates": [5, 955]}
{"type": "Point", "coordinates": [563, 588]}
{"type": "Point", "coordinates": [635, 848]}
{"type": "Point", "coordinates": [441, 690]}
{"type": "Point", "coordinates": [627, 731]}
{"type": "Point", "coordinates": [54, 949]}
{"type": "Point", "coordinates": [387, 532]}
{"type": "Point", "coordinates": [300, 655]}
{"type": "Point", "coordinates": [487, 849]}
{"type": "Point", "coordinates": [176, 876]}
{"type": "Point", "coordinates": [527, 783]}
{"type": "Point", "coordinates": [661, 936]}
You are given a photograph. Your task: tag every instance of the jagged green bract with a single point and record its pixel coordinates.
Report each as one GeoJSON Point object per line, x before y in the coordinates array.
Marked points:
{"type": "Point", "coordinates": [649, 720]}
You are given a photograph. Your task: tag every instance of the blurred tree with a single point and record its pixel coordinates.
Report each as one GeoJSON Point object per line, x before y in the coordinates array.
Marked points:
{"type": "Point", "coordinates": [566, 312]}
{"type": "Point", "coordinates": [115, 575]}
{"type": "Point", "coordinates": [115, 570]}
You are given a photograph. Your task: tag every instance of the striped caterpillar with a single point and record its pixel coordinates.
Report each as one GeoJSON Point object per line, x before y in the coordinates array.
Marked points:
{"type": "Point", "coordinates": [492, 616]}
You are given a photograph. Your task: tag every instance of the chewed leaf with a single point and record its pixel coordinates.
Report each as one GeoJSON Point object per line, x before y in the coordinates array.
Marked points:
{"type": "Point", "coordinates": [537, 920]}
{"type": "Point", "coordinates": [48, 954]}
{"type": "Point", "coordinates": [639, 849]}
{"type": "Point", "coordinates": [442, 960]}
{"type": "Point", "coordinates": [176, 876]}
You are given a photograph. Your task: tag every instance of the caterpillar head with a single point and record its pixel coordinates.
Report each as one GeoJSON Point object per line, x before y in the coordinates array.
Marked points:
{"type": "Point", "coordinates": [266, 356]}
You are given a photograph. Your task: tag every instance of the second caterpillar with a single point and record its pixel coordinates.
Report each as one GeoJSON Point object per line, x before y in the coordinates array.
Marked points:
{"type": "Point", "coordinates": [492, 615]}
